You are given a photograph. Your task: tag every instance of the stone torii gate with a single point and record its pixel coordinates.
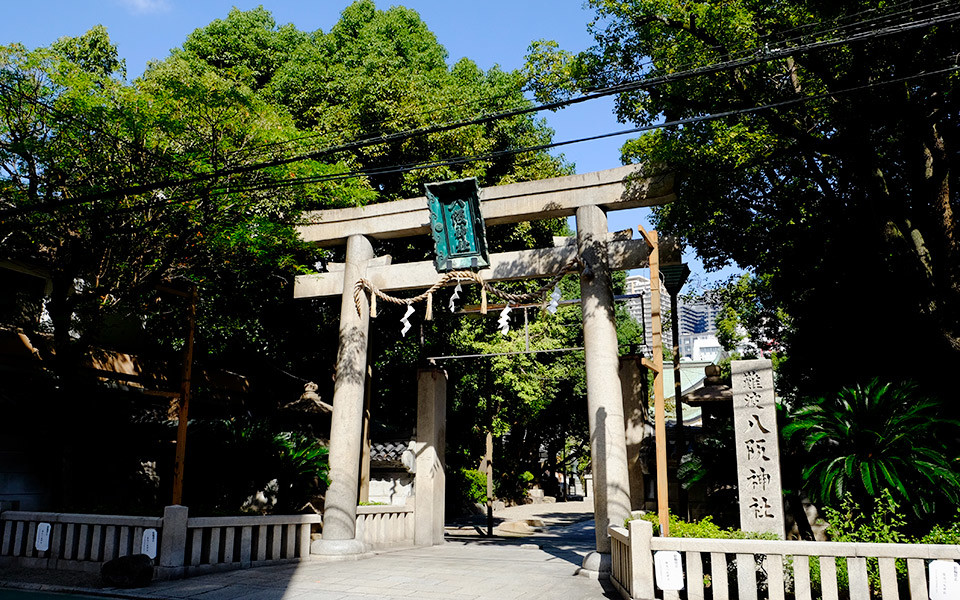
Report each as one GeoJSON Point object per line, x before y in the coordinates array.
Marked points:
{"type": "Point", "coordinates": [586, 196]}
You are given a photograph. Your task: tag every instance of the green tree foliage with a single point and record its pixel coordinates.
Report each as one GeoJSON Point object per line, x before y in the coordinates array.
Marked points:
{"type": "Point", "coordinates": [115, 187]}
{"type": "Point", "coordinates": [93, 52]}
{"type": "Point", "coordinates": [748, 312]}
{"type": "Point", "coordinates": [377, 73]}
{"type": "Point", "coordinates": [247, 44]}
{"type": "Point", "coordinates": [92, 193]}
{"type": "Point", "coordinates": [67, 132]}
{"type": "Point", "coordinates": [840, 196]}
{"type": "Point", "coordinates": [877, 437]}
{"type": "Point", "coordinates": [78, 149]}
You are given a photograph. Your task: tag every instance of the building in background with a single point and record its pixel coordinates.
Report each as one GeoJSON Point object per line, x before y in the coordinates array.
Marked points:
{"type": "Point", "coordinates": [639, 308]}
{"type": "Point", "coordinates": [698, 318]}
{"type": "Point", "coordinates": [698, 340]}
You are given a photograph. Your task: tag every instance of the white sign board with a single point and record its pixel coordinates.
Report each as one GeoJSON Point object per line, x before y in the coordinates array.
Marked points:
{"type": "Point", "coordinates": [669, 570]}
{"type": "Point", "coordinates": [42, 543]}
{"type": "Point", "coordinates": [149, 544]}
{"type": "Point", "coordinates": [944, 580]}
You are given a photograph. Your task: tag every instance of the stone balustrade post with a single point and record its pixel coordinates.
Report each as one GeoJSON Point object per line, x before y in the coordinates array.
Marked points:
{"type": "Point", "coordinates": [173, 542]}
{"type": "Point", "coordinates": [641, 559]}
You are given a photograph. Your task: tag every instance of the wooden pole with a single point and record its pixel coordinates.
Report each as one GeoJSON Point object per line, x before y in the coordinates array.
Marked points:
{"type": "Point", "coordinates": [488, 463]}
{"type": "Point", "coordinates": [660, 428]}
{"type": "Point", "coordinates": [184, 409]}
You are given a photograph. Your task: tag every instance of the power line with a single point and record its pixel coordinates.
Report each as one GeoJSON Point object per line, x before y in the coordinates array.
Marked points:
{"type": "Point", "coordinates": [541, 147]}
{"type": "Point", "coordinates": [633, 130]}
{"type": "Point", "coordinates": [424, 110]}
{"type": "Point", "coordinates": [652, 82]}
{"type": "Point", "coordinates": [886, 18]}
{"type": "Point", "coordinates": [748, 60]}
{"type": "Point", "coordinates": [885, 15]}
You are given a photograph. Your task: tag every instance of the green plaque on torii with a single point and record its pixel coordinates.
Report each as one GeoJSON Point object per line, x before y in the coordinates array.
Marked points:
{"type": "Point", "coordinates": [459, 233]}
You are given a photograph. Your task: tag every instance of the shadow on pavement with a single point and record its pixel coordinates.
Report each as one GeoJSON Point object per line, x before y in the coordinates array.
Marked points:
{"type": "Point", "coordinates": [565, 536]}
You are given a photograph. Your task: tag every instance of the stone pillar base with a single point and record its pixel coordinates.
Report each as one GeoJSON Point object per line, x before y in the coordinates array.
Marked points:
{"type": "Point", "coordinates": [596, 565]}
{"type": "Point", "coordinates": [339, 549]}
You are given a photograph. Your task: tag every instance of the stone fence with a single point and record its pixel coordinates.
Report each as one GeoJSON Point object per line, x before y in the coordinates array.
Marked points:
{"type": "Point", "coordinates": [178, 545]}
{"type": "Point", "coordinates": [382, 527]}
{"type": "Point", "coordinates": [777, 569]}
{"type": "Point", "coordinates": [73, 542]}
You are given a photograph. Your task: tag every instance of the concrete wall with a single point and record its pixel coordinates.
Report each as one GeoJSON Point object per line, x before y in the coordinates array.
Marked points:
{"type": "Point", "coordinates": [391, 487]}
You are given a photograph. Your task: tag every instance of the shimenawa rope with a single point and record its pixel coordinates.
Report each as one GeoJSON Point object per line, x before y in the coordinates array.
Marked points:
{"type": "Point", "coordinates": [364, 285]}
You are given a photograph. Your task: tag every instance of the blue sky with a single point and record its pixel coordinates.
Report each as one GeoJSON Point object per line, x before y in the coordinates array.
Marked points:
{"type": "Point", "coordinates": [489, 32]}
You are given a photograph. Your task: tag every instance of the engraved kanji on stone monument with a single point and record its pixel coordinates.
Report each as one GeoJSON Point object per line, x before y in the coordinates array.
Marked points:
{"type": "Point", "coordinates": [758, 452]}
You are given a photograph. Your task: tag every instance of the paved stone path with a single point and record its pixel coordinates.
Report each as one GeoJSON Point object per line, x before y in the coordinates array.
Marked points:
{"type": "Point", "coordinates": [468, 566]}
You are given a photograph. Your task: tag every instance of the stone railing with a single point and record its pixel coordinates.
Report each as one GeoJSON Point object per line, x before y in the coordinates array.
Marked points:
{"type": "Point", "coordinates": [622, 563]}
{"type": "Point", "coordinates": [785, 565]}
{"type": "Point", "coordinates": [179, 545]}
{"type": "Point", "coordinates": [223, 543]}
{"type": "Point", "coordinates": [73, 541]}
{"type": "Point", "coordinates": [383, 527]}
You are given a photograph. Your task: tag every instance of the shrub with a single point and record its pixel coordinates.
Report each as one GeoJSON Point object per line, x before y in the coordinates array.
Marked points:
{"type": "Point", "coordinates": [705, 528]}
{"type": "Point", "coordinates": [944, 534]}
{"type": "Point", "coordinates": [873, 437]}
{"type": "Point", "coordinates": [884, 524]}
{"type": "Point", "coordinates": [476, 485]}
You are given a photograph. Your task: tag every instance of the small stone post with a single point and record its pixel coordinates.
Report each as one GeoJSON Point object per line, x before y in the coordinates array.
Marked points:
{"type": "Point", "coordinates": [641, 559]}
{"type": "Point", "coordinates": [604, 400]}
{"type": "Point", "coordinates": [346, 425]}
{"type": "Point", "coordinates": [635, 417]}
{"type": "Point", "coordinates": [173, 542]}
{"type": "Point", "coordinates": [430, 482]}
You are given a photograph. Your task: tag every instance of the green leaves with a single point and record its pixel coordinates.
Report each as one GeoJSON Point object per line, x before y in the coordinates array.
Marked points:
{"type": "Point", "coordinates": [814, 178]}
{"type": "Point", "coordinates": [551, 73]}
{"type": "Point", "coordinates": [875, 437]}
{"type": "Point", "coordinates": [93, 52]}
{"type": "Point", "coordinates": [247, 44]}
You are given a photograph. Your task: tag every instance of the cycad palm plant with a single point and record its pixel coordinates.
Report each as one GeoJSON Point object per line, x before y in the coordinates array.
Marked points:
{"type": "Point", "coordinates": [874, 437]}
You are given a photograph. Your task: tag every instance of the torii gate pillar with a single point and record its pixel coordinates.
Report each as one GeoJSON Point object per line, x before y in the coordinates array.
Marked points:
{"type": "Point", "coordinates": [346, 425]}
{"type": "Point", "coordinates": [608, 449]}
